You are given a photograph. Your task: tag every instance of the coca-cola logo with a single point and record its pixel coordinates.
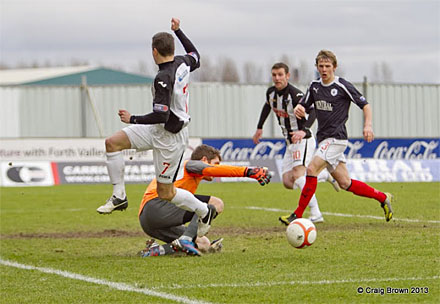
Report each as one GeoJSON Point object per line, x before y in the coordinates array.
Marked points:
{"type": "Point", "coordinates": [417, 150]}
{"type": "Point", "coordinates": [263, 150]}
{"type": "Point", "coordinates": [394, 149]}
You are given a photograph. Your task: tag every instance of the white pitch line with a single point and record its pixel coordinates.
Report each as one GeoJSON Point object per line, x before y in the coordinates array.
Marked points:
{"type": "Point", "coordinates": [271, 284]}
{"type": "Point", "coordinates": [344, 215]}
{"type": "Point", "coordinates": [114, 285]}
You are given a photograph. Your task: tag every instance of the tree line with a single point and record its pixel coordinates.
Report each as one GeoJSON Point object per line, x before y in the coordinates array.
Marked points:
{"type": "Point", "coordinates": [225, 69]}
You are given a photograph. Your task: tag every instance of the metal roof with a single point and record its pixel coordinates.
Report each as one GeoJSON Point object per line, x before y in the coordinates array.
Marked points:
{"type": "Point", "coordinates": [69, 76]}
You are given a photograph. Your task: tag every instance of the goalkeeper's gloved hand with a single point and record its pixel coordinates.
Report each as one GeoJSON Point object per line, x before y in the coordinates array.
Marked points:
{"type": "Point", "coordinates": [261, 174]}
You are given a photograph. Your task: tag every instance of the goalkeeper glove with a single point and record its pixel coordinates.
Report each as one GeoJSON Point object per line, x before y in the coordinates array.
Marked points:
{"type": "Point", "coordinates": [261, 174]}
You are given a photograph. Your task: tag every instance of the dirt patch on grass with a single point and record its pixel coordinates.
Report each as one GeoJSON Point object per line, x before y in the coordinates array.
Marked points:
{"type": "Point", "coordinates": [234, 231]}
{"type": "Point", "coordinates": [214, 232]}
{"type": "Point", "coordinates": [220, 231]}
{"type": "Point", "coordinates": [76, 234]}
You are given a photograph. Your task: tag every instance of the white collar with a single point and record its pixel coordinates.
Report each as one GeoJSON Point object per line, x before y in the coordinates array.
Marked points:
{"type": "Point", "coordinates": [329, 84]}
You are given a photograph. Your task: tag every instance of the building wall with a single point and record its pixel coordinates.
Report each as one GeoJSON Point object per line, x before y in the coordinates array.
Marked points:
{"type": "Point", "coordinates": [9, 115]}
{"type": "Point", "coordinates": [217, 110]}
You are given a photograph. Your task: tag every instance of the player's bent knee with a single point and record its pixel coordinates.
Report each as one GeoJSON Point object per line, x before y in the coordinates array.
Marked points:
{"type": "Point", "coordinates": [109, 146]}
{"type": "Point", "coordinates": [218, 203]}
{"type": "Point", "coordinates": [287, 183]}
{"type": "Point", "coordinates": [117, 142]}
{"type": "Point", "coordinates": [344, 184]}
{"type": "Point", "coordinates": [165, 195]}
{"type": "Point", "coordinates": [288, 180]}
{"type": "Point", "coordinates": [311, 171]}
{"type": "Point", "coordinates": [297, 172]}
{"type": "Point", "coordinates": [165, 191]}
{"type": "Point", "coordinates": [112, 144]}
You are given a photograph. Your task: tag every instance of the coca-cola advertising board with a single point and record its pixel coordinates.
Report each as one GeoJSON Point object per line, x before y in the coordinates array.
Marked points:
{"type": "Point", "coordinates": [402, 148]}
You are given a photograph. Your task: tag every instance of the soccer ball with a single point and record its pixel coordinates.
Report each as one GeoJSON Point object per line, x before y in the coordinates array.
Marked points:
{"type": "Point", "coordinates": [301, 233]}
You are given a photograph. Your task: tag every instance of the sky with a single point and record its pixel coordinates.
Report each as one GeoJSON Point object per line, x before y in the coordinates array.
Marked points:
{"type": "Point", "coordinates": [403, 35]}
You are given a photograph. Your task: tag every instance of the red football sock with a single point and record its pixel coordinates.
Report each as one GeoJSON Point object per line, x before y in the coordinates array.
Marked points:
{"type": "Point", "coordinates": [362, 189]}
{"type": "Point", "coordinates": [306, 195]}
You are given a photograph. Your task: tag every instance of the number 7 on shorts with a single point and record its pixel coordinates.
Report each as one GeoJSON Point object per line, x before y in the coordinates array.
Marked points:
{"type": "Point", "coordinates": [167, 165]}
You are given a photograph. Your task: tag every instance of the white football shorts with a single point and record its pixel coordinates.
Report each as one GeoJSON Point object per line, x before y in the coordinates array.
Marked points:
{"type": "Point", "coordinates": [332, 151]}
{"type": "Point", "coordinates": [299, 154]}
{"type": "Point", "coordinates": [168, 148]}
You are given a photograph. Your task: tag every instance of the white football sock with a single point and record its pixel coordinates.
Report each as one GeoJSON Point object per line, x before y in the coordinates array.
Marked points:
{"type": "Point", "coordinates": [314, 208]}
{"type": "Point", "coordinates": [313, 204]}
{"type": "Point", "coordinates": [187, 201]}
{"type": "Point", "coordinates": [323, 176]}
{"type": "Point", "coordinates": [115, 167]}
{"type": "Point", "coordinates": [299, 182]}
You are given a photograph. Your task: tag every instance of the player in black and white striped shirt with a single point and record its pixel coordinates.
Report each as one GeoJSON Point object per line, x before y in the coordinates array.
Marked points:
{"type": "Point", "coordinates": [164, 130]}
{"type": "Point", "coordinates": [281, 98]}
{"type": "Point", "coordinates": [330, 97]}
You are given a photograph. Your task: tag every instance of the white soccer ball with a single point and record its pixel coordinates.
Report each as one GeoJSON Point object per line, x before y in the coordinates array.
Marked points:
{"type": "Point", "coordinates": [301, 233]}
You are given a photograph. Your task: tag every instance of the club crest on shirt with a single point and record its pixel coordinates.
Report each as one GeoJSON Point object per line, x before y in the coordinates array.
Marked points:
{"type": "Point", "coordinates": [334, 92]}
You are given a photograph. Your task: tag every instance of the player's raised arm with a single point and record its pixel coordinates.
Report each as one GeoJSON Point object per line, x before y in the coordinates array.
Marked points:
{"type": "Point", "coordinates": [187, 44]}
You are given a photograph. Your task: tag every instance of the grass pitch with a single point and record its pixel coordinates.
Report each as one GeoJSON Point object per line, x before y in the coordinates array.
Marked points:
{"type": "Point", "coordinates": [55, 248]}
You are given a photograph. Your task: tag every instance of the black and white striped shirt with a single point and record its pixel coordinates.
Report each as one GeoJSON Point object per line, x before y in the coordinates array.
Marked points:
{"type": "Point", "coordinates": [282, 104]}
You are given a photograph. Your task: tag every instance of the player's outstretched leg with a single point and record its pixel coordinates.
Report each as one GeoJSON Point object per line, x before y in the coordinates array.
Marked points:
{"type": "Point", "coordinates": [385, 199]}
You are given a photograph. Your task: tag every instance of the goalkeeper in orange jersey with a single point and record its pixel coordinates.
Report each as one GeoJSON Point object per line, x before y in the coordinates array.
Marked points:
{"type": "Point", "coordinates": [165, 221]}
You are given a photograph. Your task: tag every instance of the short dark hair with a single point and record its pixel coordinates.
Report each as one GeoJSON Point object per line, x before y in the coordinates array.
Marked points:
{"type": "Point", "coordinates": [163, 43]}
{"type": "Point", "coordinates": [281, 65]}
{"type": "Point", "coordinates": [205, 150]}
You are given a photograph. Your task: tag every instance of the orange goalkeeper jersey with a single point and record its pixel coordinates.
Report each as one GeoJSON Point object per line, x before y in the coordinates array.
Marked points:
{"type": "Point", "coordinates": [193, 172]}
